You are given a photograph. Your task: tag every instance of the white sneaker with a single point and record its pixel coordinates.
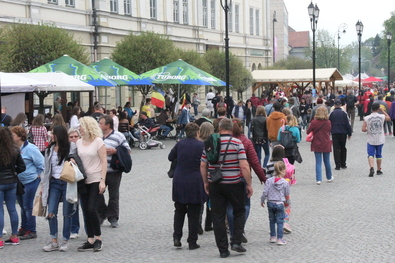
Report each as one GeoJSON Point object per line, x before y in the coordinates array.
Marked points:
{"type": "Point", "coordinates": [64, 247]}
{"type": "Point", "coordinates": [281, 242]}
{"type": "Point", "coordinates": [273, 239]}
{"type": "Point", "coordinates": [73, 235]}
{"type": "Point", "coordinates": [318, 182]}
{"type": "Point", "coordinates": [51, 246]}
{"type": "Point", "coordinates": [4, 232]}
{"type": "Point", "coordinates": [330, 180]}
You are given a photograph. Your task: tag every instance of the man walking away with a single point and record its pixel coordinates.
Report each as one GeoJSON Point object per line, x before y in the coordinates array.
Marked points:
{"type": "Point", "coordinates": [112, 139]}
{"type": "Point", "coordinates": [351, 102]}
{"type": "Point", "coordinates": [230, 190]}
{"type": "Point", "coordinates": [341, 129]}
{"type": "Point", "coordinates": [373, 125]}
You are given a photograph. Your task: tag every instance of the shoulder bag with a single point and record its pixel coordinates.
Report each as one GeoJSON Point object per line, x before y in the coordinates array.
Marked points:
{"type": "Point", "coordinates": [216, 175]}
{"type": "Point", "coordinates": [68, 172]}
{"type": "Point", "coordinates": [310, 136]}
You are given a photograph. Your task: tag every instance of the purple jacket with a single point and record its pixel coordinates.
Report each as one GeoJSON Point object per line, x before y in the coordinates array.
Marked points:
{"type": "Point", "coordinates": [392, 110]}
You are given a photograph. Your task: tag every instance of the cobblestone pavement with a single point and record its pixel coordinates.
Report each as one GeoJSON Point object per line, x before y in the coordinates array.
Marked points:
{"type": "Point", "coordinates": [348, 220]}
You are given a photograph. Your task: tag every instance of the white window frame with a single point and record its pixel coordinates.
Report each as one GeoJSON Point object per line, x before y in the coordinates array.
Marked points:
{"type": "Point", "coordinates": [185, 17]}
{"type": "Point", "coordinates": [212, 12]}
{"type": "Point", "coordinates": [251, 21]}
{"type": "Point", "coordinates": [176, 11]}
{"type": "Point", "coordinates": [114, 6]}
{"type": "Point", "coordinates": [257, 22]}
{"type": "Point", "coordinates": [127, 7]}
{"type": "Point", "coordinates": [153, 9]}
{"type": "Point", "coordinates": [237, 18]}
{"type": "Point", "coordinates": [69, 3]}
{"type": "Point", "coordinates": [53, 2]}
{"type": "Point", "coordinates": [205, 15]}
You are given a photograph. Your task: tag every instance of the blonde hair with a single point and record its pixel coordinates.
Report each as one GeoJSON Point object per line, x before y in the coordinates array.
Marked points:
{"type": "Point", "coordinates": [321, 113]}
{"type": "Point", "coordinates": [91, 128]}
{"type": "Point", "coordinates": [279, 168]}
{"type": "Point", "coordinates": [286, 111]}
{"type": "Point", "coordinates": [292, 121]}
{"type": "Point", "coordinates": [206, 129]}
{"type": "Point", "coordinates": [260, 111]}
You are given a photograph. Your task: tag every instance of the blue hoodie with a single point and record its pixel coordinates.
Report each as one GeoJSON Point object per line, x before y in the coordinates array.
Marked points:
{"type": "Point", "coordinates": [34, 162]}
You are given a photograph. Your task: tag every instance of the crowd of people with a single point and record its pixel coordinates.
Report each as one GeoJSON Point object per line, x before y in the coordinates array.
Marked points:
{"type": "Point", "coordinates": [32, 162]}
{"type": "Point", "coordinates": [274, 123]}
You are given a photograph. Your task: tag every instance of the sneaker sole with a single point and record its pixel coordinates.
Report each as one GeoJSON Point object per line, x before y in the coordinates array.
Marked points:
{"type": "Point", "coordinates": [50, 250]}
{"type": "Point", "coordinates": [97, 250]}
{"type": "Point", "coordinates": [83, 250]}
{"type": "Point", "coordinates": [13, 244]}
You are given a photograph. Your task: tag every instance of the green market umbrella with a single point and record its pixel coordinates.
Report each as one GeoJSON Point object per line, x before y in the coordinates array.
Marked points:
{"type": "Point", "coordinates": [118, 74]}
{"type": "Point", "coordinates": [76, 69]}
{"type": "Point", "coordinates": [180, 72]}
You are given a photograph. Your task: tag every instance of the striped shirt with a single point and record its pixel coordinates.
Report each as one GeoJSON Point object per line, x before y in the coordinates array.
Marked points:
{"type": "Point", "coordinates": [231, 167]}
{"type": "Point", "coordinates": [114, 140]}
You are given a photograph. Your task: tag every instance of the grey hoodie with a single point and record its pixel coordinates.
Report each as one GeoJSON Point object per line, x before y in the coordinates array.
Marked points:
{"type": "Point", "coordinates": [276, 189]}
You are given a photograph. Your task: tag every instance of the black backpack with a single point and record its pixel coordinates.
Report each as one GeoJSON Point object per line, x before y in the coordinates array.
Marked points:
{"type": "Point", "coordinates": [350, 101]}
{"type": "Point", "coordinates": [122, 161]}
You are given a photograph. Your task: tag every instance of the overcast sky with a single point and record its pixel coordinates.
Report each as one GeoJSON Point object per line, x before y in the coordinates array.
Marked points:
{"type": "Point", "coordinates": [335, 12]}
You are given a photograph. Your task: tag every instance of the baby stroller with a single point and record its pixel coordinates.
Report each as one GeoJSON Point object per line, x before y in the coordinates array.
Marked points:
{"type": "Point", "coordinates": [148, 136]}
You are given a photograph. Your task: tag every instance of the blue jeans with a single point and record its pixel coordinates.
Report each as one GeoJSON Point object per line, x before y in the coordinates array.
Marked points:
{"type": "Point", "coordinates": [258, 150]}
{"type": "Point", "coordinates": [247, 204]}
{"type": "Point", "coordinates": [57, 190]}
{"type": "Point", "coordinates": [26, 203]}
{"type": "Point", "coordinates": [318, 163]}
{"type": "Point", "coordinates": [75, 220]}
{"type": "Point", "coordinates": [166, 129]}
{"type": "Point", "coordinates": [8, 195]}
{"type": "Point", "coordinates": [276, 216]}
{"type": "Point", "coordinates": [195, 109]}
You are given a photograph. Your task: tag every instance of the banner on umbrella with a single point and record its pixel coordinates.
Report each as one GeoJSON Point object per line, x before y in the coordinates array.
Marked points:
{"type": "Point", "coordinates": [158, 98]}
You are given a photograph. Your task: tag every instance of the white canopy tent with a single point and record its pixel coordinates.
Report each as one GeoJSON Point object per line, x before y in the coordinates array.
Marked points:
{"type": "Point", "coordinates": [14, 83]}
{"type": "Point", "coordinates": [59, 82]}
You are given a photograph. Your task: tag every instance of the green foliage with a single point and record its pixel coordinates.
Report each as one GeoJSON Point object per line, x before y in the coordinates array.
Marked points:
{"type": "Point", "coordinates": [239, 76]}
{"type": "Point", "coordinates": [142, 53]}
{"type": "Point", "coordinates": [25, 47]}
{"type": "Point", "coordinates": [292, 62]}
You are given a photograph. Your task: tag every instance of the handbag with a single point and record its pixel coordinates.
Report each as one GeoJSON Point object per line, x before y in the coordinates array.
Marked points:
{"type": "Point", "coordinates": [296, 154]}
{"type": "Point", "coordinates": [20, 188]}
{"type": "Point", "coordinates": [68, 172]}
{"type": "Point", "coordinates": [216, 175]}
{"type": "Point", "coordinates": [310, 136]}
{"type": "Point", "coordinates": [38, 208]}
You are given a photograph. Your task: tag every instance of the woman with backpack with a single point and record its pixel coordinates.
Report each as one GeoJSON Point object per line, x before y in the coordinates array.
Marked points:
{"type": "Point", "coordinates": [292, 126]}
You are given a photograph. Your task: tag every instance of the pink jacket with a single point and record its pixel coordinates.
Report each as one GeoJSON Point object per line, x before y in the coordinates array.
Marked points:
{"type": "Point", "coordinates": [252, 157]}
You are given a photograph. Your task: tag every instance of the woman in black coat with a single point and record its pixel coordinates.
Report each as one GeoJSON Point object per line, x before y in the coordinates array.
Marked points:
{"type": "Point", "coordinates": [188, 189]}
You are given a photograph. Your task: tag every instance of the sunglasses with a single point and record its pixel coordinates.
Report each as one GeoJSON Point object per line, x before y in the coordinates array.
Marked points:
{"type": "Point", "coordinates": [76, 136]}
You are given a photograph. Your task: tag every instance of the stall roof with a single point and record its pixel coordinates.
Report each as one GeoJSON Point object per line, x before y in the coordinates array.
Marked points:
{"type": "Point", "coordinates": [13, 83]}
{"type": "Point", "coordinates": [59, 80]}
{"type": "Point", "coordinates": [297, 75]}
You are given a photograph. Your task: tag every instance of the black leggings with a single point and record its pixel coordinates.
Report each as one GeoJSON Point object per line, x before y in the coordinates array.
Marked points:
{"type": "Point", "coordinates": [90, 203]}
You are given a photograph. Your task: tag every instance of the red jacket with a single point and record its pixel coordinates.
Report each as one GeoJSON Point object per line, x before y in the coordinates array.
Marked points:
{"type": "Point", "coordinates": [252, 157]}
{"type": "Point", "coordinates": [322, 139]}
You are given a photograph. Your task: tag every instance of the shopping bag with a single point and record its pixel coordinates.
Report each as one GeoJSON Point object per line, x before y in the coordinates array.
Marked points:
{"type": "Point", "coordinates": [78, 175]}
{"type": "Point", "coordinates": [38, 208]}
{"type": "Point", "coordinates": [310, 137]}
{"type": "Point", "coordinates": [68, 173]}
{"type": "Point", "coordinates": [72, 193]}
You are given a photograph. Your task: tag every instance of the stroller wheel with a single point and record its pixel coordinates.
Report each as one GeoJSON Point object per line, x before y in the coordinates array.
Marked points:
{"type": "Point", "coordinates": [143, 145]}
{"type": "Point", "coordinates": [162, 146]}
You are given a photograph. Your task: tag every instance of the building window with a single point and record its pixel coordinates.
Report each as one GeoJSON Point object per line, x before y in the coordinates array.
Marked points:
{"type": "Point", "coordinates": [176, 11]}
{"type": "Point", "coordinates": [127, 7]}
{"type": "Point", "coordinates": [114, 6]}
{"type": "Point", "coordinates": [205, 19]}
{"type": "Point", "coordinates": [152, 9]}
{"type": "Point", "coordinates": [70, 3]}
{"type": "Point", "coordinates": [185, 12]}
{"type": "Point", "coordinates": [251, 21]}
{"type": "Point", "coordinates": [52, 1]}
{"type": "Point", "coordinates": [257, 22]}
{"type": "Point", "coordinates": [237, 18]}
{"type": "Point", "coordinates": [230, 18]}
{"type": "Point", "coordinates": [212, 8]}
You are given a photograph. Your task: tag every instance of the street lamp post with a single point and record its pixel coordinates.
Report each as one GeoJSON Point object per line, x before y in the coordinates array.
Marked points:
{"type": "Point", "coordinates": [389, 37]}
{"type": "Point", "coordinates": [314, 12]}
{"type": "Point", "coordinates": [226, 8]}
{"type": "Point", "coordinates": [340, 30]}
{"type": "Point", "coordinates": [359, 28]}
{"type": "Point", "coordinates": [274, 21]}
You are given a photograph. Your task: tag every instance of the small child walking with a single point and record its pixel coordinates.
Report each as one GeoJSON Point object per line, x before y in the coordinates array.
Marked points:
{"type": "Point", "coordinates": [276, 192]}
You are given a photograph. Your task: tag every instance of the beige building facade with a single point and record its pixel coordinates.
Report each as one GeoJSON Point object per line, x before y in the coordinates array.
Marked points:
{"type": "Point", "coordinates": [191, 24]}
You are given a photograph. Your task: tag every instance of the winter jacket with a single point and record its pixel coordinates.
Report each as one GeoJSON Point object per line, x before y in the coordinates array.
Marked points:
{"type": "Point", "coordinates": [259, 128]}
{"type": "Point", "coordinates": [276, 189]}
{"type": "Point", "coordinates": [322, 142]}
{"type": "Point", "coordinates": [340, 122]}
{"type": "Point", "coordinates": [273, 124]}
{"type": "Point", "coordinates": [252, 157]}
